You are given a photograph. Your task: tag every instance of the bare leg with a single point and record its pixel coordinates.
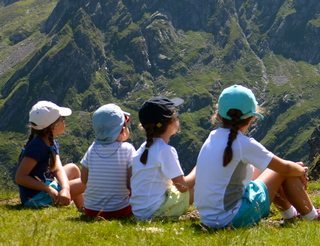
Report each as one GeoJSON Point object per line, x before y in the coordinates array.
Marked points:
{"type": "Point", "coordinates": [76, 186]}
{"type": "Point", "coordinates": [280, 199]}
{"type": "Point", "coordinates": [297, 195]}
{"type": "Point", "coordinates": [292, 187]}
{"type": "Point", "coordinates": [191, 196]}
{"type": "Point", "coordinates": [190, 180]}
{"type": "Point", "coordinates": [273, 181]}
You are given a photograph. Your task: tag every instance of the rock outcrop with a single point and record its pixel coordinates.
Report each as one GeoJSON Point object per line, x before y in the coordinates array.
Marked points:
{"type": "Point", "coordinates": [123, 51]}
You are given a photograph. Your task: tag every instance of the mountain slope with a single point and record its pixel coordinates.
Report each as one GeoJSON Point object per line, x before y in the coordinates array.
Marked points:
{"type": "Point", "coordinates": [99, 51]}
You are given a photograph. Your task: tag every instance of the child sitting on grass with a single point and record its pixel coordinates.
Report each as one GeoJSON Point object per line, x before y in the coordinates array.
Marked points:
{"type": "Point", "coordinates": [225, 194]}
{"type": "Point", "coordinates": [106, 165]}
{"type": "Point", "coordinates": [42, 179]}
{"type": "Point", "coordinates": [159, 187]}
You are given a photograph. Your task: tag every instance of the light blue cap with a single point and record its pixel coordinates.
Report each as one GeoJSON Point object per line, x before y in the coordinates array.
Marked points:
{"type": "Point", "coordinates": [238, 97]}
{"type": "Point", "coordinates": [107, 122]}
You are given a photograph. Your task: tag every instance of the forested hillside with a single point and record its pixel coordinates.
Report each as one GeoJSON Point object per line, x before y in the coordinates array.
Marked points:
{"type": "Point", "coordinates": [86, 53]}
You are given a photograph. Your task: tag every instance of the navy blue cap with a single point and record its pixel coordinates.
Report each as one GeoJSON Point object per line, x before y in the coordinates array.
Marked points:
{"type": "Point", "coordinates": [158, 109]}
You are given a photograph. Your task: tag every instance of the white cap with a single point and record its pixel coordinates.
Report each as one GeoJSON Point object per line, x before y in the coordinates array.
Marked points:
{"type": "Point", "coordinates": [44, 113]}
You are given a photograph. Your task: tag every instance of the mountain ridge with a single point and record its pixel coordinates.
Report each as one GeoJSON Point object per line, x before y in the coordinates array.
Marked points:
{"type": "Point", "coordinates": [93, 52]}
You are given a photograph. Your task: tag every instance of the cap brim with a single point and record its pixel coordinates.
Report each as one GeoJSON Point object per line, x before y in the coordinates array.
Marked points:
{"type": "Point", "coordinates": [259, 116]}
{"type": "Point", "coordinates": [177, 101]}
{"type": "Point", "coordinates": [126, 113]}
{"type": "Point", "coordinates": [65, 111]}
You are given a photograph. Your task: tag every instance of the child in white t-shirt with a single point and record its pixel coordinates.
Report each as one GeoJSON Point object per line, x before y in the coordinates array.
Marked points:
{"type": "Point", "coordinates": [106, 165]}
{"type": "Point", "coordinates": [225, 194]}
{"type": "Point", "coordinates": [159, 187]}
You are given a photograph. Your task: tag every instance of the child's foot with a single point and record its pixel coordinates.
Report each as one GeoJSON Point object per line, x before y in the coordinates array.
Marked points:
{"type": "Point", "coordinates": [81, 210]}
{"type": "Point", "coordinates": [291, 220]}
{"type": "Point", "coordinates": [318, 212]}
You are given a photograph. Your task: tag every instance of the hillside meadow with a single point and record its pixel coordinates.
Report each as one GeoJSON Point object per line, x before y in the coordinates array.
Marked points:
{"type": "Point", "coordinates": [66, 226]}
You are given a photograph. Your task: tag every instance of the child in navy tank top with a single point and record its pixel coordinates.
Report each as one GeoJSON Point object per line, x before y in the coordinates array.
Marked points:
{"type": "Point", "coordinates": [41, 178]}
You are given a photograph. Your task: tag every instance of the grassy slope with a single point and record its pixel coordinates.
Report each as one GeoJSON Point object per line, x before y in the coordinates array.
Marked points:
{"type": "Point", "coordinates": [285, 76]}
{"type": "Point", "coordinates": [22, 17]}
{"type": "Point", "coordinates": [300, 82]}
{"type": "Point", "coordinates": [65, 226]}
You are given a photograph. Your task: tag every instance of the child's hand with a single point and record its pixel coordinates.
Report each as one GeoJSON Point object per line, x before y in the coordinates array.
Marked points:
{"type": "Point", "coordinates": [64, 197]}
{"type": "Point", "coordinates": [53, 193]}
{"type": "Point", "coordinates": [304, 178]}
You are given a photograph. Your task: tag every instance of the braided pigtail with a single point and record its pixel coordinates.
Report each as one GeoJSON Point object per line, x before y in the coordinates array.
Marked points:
{"type": "Point", "coordinates": [234, 128]}
{"type": "Point", "coordinates": [153, 131]}
{"type": "Point", "coordinates": [149, 133]}
{"type": "Point", "coordinates": [31, 136]}
{"type": "Point", "coordinates": [52, 160]}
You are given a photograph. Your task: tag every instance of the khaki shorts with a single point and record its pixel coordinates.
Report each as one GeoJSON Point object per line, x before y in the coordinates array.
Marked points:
{"type": "Point", "coordinates": [176, 204]}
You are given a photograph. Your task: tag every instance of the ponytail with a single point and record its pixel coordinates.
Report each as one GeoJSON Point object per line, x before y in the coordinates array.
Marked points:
{"type": "Point", "coordinates": [149, 142]}
{"type": "Point", "coordinates": [52, 159]}
{"type": "Point", "coordinates": [42, 133]}
{"type": "Point", "coordinates": [228, 154]}
{"type": "Point", "coordinates": [31, 136]}
{"type": "Point", "coordinates": [152, 131]}
{"type": "Point", "coordinates": [234, 124]}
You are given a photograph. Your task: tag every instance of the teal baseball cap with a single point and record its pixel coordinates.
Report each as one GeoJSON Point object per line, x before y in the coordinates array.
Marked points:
{"type": "Point", "coordinates": [238, 97]}
{"type": "Point", "coordinates": [107, 122]}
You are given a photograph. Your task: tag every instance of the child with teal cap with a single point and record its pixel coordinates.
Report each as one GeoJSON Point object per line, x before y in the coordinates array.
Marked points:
{"type": "Point", "coordinates": [225, 192]}
{"type": "Point", "coordinates": [106, 166]}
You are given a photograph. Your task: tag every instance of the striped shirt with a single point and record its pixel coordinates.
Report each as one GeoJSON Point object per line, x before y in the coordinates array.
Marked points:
{"type": "Point", "coordinates": [107, 166]}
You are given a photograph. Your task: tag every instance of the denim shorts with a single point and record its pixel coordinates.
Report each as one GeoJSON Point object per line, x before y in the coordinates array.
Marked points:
{"type": "Point", "coordinates": [255, 205]}
{"type": "Point", "coordinates": [42, 199]}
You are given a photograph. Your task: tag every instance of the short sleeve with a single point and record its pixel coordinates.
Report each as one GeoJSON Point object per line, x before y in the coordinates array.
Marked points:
{"type": "Point", "coordinates": [56, 147]}
{"type": "Point", "coordinates": [131, 151]}
{"type": "Point", "coordinates": [256, 154]}
{"type": "Point", "coordinates": [170, 165]}
{"type": "Point", "coordinates": [36, 150]}
{"type": "Point", "coordinates": [84, 160]}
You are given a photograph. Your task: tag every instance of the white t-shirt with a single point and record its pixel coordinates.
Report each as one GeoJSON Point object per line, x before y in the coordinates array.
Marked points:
{"type": "Point", "coordinates": [150, 182]}
{"type": "Point", "coordinates": [218, 189]}
{"type": "Point", "coordinates": [108, 173]}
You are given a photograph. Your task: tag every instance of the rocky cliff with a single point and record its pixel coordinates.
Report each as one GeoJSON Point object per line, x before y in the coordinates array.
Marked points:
{"type": "Point", "coordinates": [124, 51]}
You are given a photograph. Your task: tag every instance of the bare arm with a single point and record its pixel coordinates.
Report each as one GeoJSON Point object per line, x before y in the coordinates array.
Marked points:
{"type": "Point", "coordinates": [60, 174]}
{"type": "Point", "coordinates": [64, 197]}
{"type": "Point", "coordinates": [129, 177]}
{"type": "Point", "coordinates": [84, 175]}
{"type": "Point", "coordinates": [180, 183]}
{"type": "Point", "coordinates": [184, 183]}
{"type": "Point", "coordinates": [24, 179]}
{"type": "Point", "coordinates": [287, 168]}
{"type": "Point", "coordinates": [191, 178]}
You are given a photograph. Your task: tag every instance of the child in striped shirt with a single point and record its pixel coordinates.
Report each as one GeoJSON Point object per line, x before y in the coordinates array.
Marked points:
{"type": "Point", "coordinates": [106, 166]}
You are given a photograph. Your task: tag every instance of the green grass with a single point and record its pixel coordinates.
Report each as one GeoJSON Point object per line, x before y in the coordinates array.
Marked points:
{"type": "Point", "coordinates": [286, 9]}
{"type": "Point", "coordinates": [25, 16]}
{"type": "Point", "coordinates": [22, 17]}
{"type": "Point", "coordinates": [315, 22]}
{"type": "Point", "coordinates": [65, 226]}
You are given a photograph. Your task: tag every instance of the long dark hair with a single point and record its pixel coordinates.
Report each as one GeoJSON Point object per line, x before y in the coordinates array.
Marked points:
{"type": "Point", "coordinates": [46, 132]}
{"type": "Point", "coordinates": [153, 130]}
{"type": "Point", "coordinates": [234, 124]}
